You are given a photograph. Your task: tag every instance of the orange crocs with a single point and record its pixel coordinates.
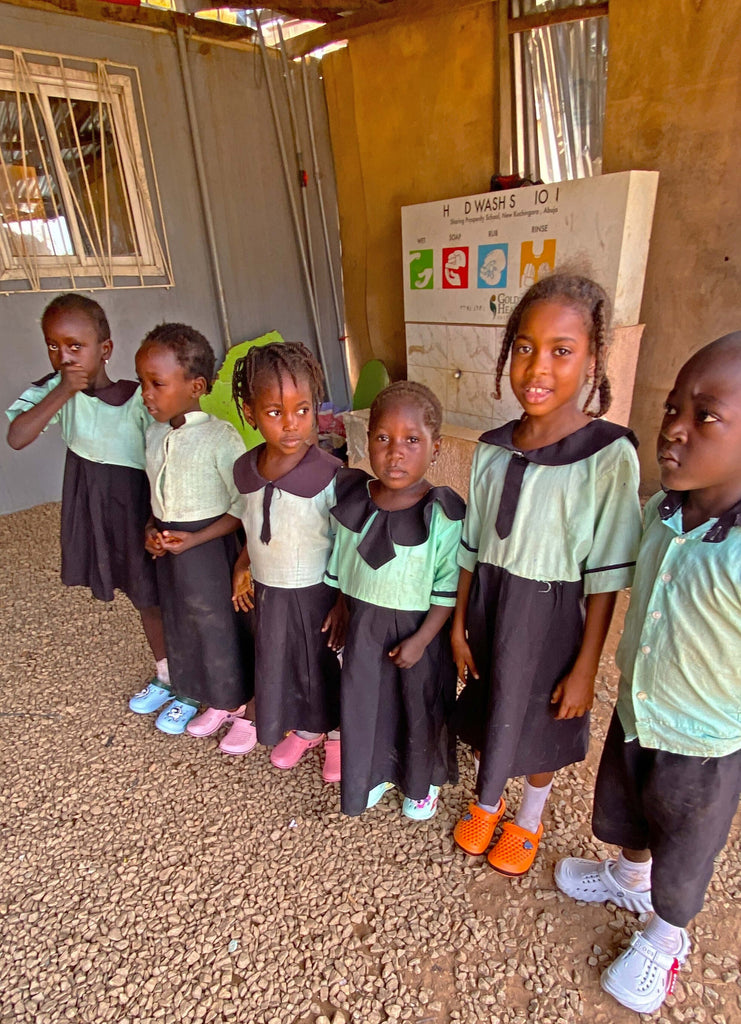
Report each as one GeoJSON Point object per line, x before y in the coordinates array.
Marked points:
{"type": "Point", "coordinates": [514, 852]}
{"type": "Point", "coordinates": [475, 830]}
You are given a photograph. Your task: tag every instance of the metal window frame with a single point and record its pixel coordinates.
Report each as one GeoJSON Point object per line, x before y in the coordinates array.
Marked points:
{"type": "Point", "coordinates": [47, 76]}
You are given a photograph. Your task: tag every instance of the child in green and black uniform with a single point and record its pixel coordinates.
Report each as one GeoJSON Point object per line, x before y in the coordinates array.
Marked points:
{"type": "Point", "coordinates": [105, 495]}
{"type": "Point", "coordinates": [551, 531]}
{"type": "Point", "coordinates": [670, 776]}
{"type": "Point", "coordinates": [394, 560]}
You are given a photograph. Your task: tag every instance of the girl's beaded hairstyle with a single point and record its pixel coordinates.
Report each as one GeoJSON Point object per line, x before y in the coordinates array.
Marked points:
{"type": "Point", "coordinates": [411, 393]}
{"type": "Point", "coordinates": [276, 361]}
{"type": "Point", "coordinates": [73, 302]}
{"type": "Point", "coordinates": [191, 349]}
{"type": "Point", "coordinates": [587, 298]}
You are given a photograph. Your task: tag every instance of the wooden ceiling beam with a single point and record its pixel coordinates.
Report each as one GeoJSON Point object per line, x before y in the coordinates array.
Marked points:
{"type": "Point", "coordinates": [338, 7]}
{"type": "Point", "coordinates": [143, 17]}
{"type": "Point", "coordinates": [385, 14]}
{"type": "Point", "coordinates": [528, 22]}
{"type": "Point", "coordinates": [306, 10]}
{"type": "Point", "coordinates": [301, 13]}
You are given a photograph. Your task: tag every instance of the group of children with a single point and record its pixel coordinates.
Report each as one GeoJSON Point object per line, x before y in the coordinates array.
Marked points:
{"type": "Point", "coordinates": [297, 602]}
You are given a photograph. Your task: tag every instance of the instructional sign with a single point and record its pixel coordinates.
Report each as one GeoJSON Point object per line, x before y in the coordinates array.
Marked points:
{"type": "Point", "coordinates": [468, 260]}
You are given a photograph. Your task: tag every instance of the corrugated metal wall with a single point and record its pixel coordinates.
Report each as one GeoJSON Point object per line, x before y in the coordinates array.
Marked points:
{"type": "Point", "coordinates": [261, 271]}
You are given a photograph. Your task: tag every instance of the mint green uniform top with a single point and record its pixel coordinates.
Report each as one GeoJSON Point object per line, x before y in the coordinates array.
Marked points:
{"type": "Point", "coordinates": [575, 515]}
{"type": "Point", "coordinates": [680, 654]}
{"type": "Point", "coordinates": [411, 560]}
{"type": "Point", "coordinates": [92, 428]}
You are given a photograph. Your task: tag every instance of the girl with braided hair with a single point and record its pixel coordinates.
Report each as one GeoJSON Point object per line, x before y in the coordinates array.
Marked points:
{"type": "Point", "coordinates": [288, 485]}
{"type": "Point", "coordinates": [550, 535]}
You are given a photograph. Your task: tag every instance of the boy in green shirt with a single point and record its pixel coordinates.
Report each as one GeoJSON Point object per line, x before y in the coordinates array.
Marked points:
{"type": "Point", "coordinates": [670, 775]}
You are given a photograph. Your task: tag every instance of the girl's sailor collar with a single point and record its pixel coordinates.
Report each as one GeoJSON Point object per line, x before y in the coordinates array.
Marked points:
{"type": "Point", "coordinates": [583, 443]}
{"type": "Point", "coordinates": [118, 392]}
{"type": "Point", "coordinates": [314, 472]}
{"type": "Point", "coordinates": [406, 527]}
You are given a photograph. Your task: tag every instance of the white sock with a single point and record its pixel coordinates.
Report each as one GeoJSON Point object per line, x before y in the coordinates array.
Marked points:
{"type": "Point", "coordinates": [163, 672]}
{"type": "Point", "coordinates": [308, 735]}
{"type": "Point", "coordinates": [491, 809]}
{"type": "Point", "coordinates": [334, 734]}
{"type": "Point", "coordinates": [666, 937]}
{"type": "Point", "coordinates": [532, 806]}
{"type": "Point", "coordinates": [631, 874]}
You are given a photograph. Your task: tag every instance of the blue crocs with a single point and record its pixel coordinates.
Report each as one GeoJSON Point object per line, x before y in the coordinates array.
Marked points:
{"type": "Point", "coordinates": [174, 718]}
{"type": "Point", "coordinates": [377, 792]}
{"type": "Point", "coordinates": [421, 810]}
{"type": "Point", "coordinates": [151, 698]}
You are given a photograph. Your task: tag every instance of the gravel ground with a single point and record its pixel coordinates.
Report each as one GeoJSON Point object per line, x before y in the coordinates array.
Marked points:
{"type": "Point", "coordinates": [151, 878]}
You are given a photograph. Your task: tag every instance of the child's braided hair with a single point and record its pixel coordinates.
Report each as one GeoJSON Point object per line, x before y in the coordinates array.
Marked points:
{"type": "Point", "coordinates": [191, 349]}
{"type": "Point", "coordinates": [278, 359]}
{"type": "Point", "coordinates": [76, 303]}
{"type": "Point", "coordinates": [588, 298]}
{"type": "Point", "coordinates": [415, 394]}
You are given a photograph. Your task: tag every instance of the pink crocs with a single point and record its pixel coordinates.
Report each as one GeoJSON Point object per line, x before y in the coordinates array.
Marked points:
{"type": "Point", "coordinates": [291, 749]}
{"type": "Point", "coordinates": [240, 739]}
{"type": "Point", "coordinates": [212, 720]}
{"type": "Point", "coordinates": [331, 771]}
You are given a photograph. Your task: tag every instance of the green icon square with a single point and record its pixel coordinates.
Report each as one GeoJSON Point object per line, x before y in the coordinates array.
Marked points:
{"type": "Point", "coordinates": [421, 269]}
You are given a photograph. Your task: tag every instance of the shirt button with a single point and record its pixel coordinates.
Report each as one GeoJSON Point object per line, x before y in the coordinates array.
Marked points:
{"type": "Point", "coordinates": [666, 577]}
{"type": "Point", "coordinates": [679, 540]}
{"type": "Point", "coordinates": [655, 615]}
{"type": "Point", "coordinates": [642, 695]}
{"type": "Point", "coordinates": [646, 649]}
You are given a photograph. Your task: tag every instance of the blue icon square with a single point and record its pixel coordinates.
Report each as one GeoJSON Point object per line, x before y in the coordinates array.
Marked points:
{"type": "Point", "coordinates": [492, 268]}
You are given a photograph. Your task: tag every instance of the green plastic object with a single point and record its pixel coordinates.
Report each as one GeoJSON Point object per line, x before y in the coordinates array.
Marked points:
{"type": "Point", "coordinates": [374, 377]}
{"type": "Point", "coordinates": [219, 401]}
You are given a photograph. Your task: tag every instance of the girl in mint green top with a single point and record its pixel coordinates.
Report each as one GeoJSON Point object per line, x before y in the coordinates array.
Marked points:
{"type": "Point", "coordinates": [394, 559]}
{"type": "Point", "coordinates": [551, 532]}
{"type": "Point", "coordinates": [105, 494]}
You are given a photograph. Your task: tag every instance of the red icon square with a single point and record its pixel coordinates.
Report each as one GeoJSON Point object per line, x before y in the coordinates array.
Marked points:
{"type": "Point", "coordinates": [455, 267]}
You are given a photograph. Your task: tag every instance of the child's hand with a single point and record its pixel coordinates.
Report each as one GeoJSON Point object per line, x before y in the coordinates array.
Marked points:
{"type": "Point", "coordinates": [153, 542]}
{"type": "Point", "coordinates": [462, 655]}
{"type": "Point", "coordinates": [408, 652]}
{"type": "Point", "coordinates": [74, 377]}
{"type": "Point", "coordinates": [574, 695]}
{"type": "Point", "coordinates": [336, 624]}
{"type": "Point", "coordinates": [243, 591]}
{"type": "Point", "coordinates": [177, 541]}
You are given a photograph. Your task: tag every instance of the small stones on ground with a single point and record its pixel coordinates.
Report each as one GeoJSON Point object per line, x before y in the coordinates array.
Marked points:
{"type": "Point", "coordinates": [141, 882]}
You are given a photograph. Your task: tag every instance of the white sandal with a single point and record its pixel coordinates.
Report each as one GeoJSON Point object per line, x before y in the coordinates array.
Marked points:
{"type": "Point", "coordinates": [593, 881]}
{"type": "Point", "coordinates": [643, 976]}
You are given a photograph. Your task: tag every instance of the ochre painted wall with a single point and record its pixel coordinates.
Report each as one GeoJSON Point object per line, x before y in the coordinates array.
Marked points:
{"type": "Point", "coordinates": [412, 109]}
{"type": "Point", "coordinates": [674, 105]}
{"type": "Point", "coordinates": [413, 118]}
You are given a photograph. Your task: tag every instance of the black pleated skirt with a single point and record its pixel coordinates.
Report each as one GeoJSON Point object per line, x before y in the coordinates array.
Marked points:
{"type": "Point", "coordinates": [524, 636]}
{"type": "Point", "coordinates": [297, 676]}
{"type": "Point", "coordinates": [394, 721]}
{"type": "Point", "coordinates": [208, 643]}
{"type": "Point", "coordinates": [104, 511]}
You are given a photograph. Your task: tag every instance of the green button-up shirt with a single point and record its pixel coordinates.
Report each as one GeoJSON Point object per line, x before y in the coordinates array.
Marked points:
{"type": "Point", "coordinates": [680, 654]}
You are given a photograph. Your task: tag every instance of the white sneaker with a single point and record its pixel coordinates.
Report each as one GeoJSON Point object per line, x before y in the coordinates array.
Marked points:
{"type": "Point", "coordinates": [593, 881]}
{"type": "Point", "coordinates": [642, 977]}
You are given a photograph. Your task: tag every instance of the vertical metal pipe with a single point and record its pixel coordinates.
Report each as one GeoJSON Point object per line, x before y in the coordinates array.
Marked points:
{"type": "Point", "coordinates": [291, 198]}
{"type": "Point", "coordinates": [325, 230]}
{"type": "Point", "coordinates": [505, 88]}
{"type": "Point", "coordinates": [195, 137]}
{"type": "Point", "coordinates": [303, 178]}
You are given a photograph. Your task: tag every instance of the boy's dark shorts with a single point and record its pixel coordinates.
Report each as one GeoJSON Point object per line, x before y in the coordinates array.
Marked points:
{"type": "Point", "coordinates": [678, 807]}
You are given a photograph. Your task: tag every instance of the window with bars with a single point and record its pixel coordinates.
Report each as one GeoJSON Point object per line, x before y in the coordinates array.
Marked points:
{"type": "Point", "coordinates": [79, 203]}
